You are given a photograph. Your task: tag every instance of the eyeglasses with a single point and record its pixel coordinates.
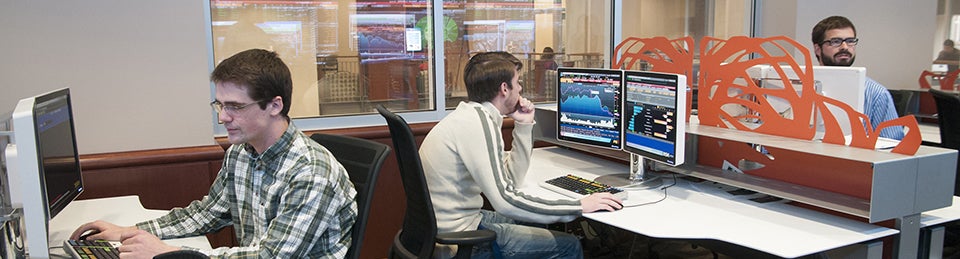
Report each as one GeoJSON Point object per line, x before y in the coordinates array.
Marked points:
{"type": "Point", "coordinates": [835, 42]}
{"type": "Point", "coordinates": [230, 108]}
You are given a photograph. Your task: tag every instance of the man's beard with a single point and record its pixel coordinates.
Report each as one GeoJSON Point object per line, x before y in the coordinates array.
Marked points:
{"type": "Point", "coordinates": [830, 61]}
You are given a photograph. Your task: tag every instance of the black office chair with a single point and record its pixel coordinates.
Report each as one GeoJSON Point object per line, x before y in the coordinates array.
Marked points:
{"type": "Point", "coordinates": [948, 117]}
{"type": "Point", "coordinates": [901, 101]}
{"type": "Point", "coordinates": [362, 158]}
{"type": "Point", "coordinates": [419, 234]}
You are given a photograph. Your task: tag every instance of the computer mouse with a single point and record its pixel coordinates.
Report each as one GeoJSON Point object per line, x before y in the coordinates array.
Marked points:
{"type": "Point", "coordinates": [88, 233]}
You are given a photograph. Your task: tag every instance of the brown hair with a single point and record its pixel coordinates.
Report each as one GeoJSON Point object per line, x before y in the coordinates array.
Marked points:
{"type": "Point", "coordinates": [262, 72]}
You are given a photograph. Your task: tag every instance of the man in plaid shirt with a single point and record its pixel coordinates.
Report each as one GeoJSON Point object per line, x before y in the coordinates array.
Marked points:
{"type": "Point", "coordinates": [285, 195]}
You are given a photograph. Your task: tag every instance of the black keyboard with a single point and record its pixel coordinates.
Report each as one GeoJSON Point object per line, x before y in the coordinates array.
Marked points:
{"type": "Point", "coordinates": [578, 187]}
{"type": "Point", "coordinates": [92, 249]}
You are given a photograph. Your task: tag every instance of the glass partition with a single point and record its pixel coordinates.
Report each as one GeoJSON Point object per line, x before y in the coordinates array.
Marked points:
{"type": "Point", "coordinates": [348, 56]}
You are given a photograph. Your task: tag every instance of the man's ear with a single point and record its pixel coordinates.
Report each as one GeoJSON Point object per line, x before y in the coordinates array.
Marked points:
{"type": "Point", "coordinates": [504, 88]}
{"type": "Point", "coordinates": [275, 105]}
{"type": "Point", "coordinates": [816, 52]}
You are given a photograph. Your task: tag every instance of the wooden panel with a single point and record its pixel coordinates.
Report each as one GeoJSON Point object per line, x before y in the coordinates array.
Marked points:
{"type": "Point", "coordinates": [159, 186]}
{"type": "Point", "coordinates": [164, 178]}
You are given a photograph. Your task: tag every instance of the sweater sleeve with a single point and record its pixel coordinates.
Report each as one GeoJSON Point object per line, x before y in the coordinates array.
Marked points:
{"type": "Point", "coordinates": [500, 173]}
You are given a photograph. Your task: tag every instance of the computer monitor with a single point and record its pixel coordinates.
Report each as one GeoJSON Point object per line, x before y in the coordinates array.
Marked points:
{"type": "Point", "coordinates": [654, 125]}
{"type": "Point", "coordinates": [43, 164]}
{"type": "Point", "coordinates": [588, 106]}
{"type": "Point", "coordinates": [844, 84]}
{"type": "Point", "coordinates": [942, 68]}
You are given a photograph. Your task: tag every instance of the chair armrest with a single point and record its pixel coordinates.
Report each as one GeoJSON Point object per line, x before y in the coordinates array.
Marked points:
{"type": "Point", "coordinates": [466, 237]}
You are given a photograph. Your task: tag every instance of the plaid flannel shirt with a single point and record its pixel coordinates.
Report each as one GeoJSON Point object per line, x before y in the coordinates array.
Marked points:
{"type": "Point", "coordinates": [293, 201]}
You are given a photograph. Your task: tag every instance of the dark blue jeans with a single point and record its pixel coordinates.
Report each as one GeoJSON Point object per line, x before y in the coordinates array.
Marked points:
{"type": "Point", "coordinates": [519, 240]}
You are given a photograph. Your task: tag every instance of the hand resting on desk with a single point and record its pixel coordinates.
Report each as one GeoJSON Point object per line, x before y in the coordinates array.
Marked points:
{"type": "Point", "coordinates": [600, 201]}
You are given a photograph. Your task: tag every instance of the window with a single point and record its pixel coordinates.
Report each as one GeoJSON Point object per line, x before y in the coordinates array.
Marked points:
{"type": "Point", "coordinates": [348, 56]}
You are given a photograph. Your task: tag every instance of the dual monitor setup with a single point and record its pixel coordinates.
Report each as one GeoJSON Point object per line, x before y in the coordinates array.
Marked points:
{"type": "Point", "coordinates": [644, 113]}
{"type": "Point", "coordinates": [640, 112]}
{"type": "Point", "coordinates": [42, 171]}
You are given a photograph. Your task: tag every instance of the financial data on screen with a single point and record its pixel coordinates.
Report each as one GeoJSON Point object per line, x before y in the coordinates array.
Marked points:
{"type": "Point", "coordinates": [653, 110]}
{"type": "Point", "coordinates": [588, 106]}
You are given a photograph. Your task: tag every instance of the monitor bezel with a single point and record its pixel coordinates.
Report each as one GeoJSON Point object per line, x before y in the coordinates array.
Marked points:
{"type": "Point", "coordinates": [679, 144]}
{"type": "Point", "coordinates": [597, 144]}
{"type": "Point", "coordinates": [53, 208]}
{"type": "Point", "coordinates": [24, 172]}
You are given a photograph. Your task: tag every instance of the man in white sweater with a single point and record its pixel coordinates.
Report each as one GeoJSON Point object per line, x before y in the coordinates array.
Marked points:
{"type": "Point", "coordinates": [463, 156]}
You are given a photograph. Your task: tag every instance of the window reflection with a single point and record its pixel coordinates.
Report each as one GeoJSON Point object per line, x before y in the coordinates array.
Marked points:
{"type": "Point", "coordinates": [346, 57]}
{"type": "Point", "coordinates": [349, 56]}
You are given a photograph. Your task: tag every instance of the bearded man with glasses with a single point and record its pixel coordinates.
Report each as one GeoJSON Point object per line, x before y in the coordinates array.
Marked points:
{"type": "Point", "coordinates": [835, 44]}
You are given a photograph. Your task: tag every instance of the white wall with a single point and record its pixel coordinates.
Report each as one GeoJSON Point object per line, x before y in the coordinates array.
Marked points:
{"type": "Point", "coordinates": [895, 35]}
{"type": "Point", "coordinates": [138, 70]}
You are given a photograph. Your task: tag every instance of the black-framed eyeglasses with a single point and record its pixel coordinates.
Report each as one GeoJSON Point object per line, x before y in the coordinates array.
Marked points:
{"type": "Point", "coordinates": [835, 42]}
{"type": "Point", "coordinates": [229, 108]}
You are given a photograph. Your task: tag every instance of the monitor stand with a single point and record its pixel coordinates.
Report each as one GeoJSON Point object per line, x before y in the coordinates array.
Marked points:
{"type": "Point", "coordinates": [637, 179]}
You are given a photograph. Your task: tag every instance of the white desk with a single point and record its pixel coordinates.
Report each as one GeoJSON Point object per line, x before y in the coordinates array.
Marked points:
{"type": "Point", "coordinates": [122, 211]}
{"type": "Point", "coordinates": [690, 212]}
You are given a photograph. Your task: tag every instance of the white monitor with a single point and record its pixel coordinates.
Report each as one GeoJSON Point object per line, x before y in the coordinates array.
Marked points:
{"type": "Point", "coordinates": [654, 113]}
{"type": "Point", "coordinates": [43, 166]}
{"type": "Point", "coordinates": [939, 68]}
{"type": "Point", "coordinates": [845, 84]}
{"type": "Point", "coordinates": [654, 125]}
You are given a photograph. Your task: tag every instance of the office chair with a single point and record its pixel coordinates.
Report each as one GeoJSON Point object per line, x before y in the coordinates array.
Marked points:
{"type": "Point", "coordinates": [182, 254]}
{"type": "Point", "coordinates": [362, 158]}
{"type": "Point", "coordinates": [418, 236]}
{"type": "Point", "coordinates": [948, 117]}
{"type": "Point", "coordinates": [901, 101]}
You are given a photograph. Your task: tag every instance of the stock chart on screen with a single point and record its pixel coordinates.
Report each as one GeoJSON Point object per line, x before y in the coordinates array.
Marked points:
{"type": "Point", "coordinates": [588, 106]}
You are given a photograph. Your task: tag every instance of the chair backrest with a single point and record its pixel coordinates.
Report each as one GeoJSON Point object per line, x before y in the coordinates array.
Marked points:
{"type": "Point", "coordinates": [901, 101]}
{"type": "Point", "coordinates": [948, 116]}
{"type": "Point", "coordinates": [419, 223]}
{"type": "Point", "coordinates": [362, 158]}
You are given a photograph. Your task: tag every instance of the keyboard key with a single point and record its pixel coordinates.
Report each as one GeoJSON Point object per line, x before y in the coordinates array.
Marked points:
{"type": "Point", "coordinates": [92, 249]}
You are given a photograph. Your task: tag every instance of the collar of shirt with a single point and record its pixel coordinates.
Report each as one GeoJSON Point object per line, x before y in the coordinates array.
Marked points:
{"type": "Point", "coordinates": [493, 113]}
{"type": "Point", "coordinates": [269, 161]}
